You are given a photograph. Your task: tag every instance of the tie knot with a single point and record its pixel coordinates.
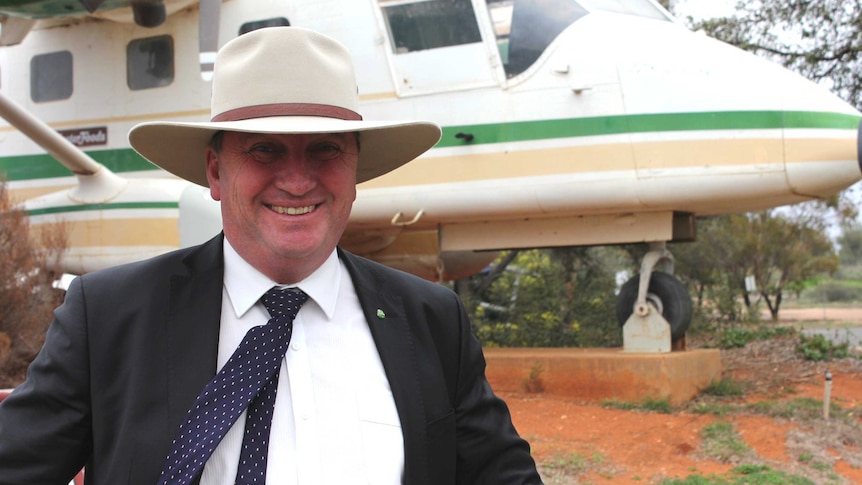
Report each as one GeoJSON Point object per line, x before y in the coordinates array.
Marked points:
{"type": "Point", "coordinates": [283, 301]}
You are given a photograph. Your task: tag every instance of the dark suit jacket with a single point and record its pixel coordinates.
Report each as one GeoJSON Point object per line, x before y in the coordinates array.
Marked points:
{"type": "Point", "coordinates": [132, 346]}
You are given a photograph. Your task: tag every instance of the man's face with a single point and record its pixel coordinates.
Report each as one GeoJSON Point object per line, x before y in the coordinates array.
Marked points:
{"type": "Point", "coordinates": [285, 199]}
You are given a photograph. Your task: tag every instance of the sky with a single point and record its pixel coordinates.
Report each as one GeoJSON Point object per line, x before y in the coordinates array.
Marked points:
{"type": "Point", "coordinates": [704, 9]}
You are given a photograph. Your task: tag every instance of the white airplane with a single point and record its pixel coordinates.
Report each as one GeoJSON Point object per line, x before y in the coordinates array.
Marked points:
{"type": "Point", "coordinates": [565, 122]}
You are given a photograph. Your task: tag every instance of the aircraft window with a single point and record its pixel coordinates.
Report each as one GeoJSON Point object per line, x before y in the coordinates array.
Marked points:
{"type": "Point", "coordinates": [259, 24]}
{"type": "Point", "coordinates": [501, 20]}
{"type": "Point", "coordinates": [150, 62]}
{"type": "Point", "coordinates": [430, 24]}
{"type": "Point", "coordinates": [51, 76]}
{"type": "Point", "coordinates": [525, 28]}
{"type": "Point", "coordinates": [641, 8]}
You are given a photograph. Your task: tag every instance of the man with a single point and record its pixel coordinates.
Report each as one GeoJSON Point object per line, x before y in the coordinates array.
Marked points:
{"type": "Point", "coordinates": [382, 381]}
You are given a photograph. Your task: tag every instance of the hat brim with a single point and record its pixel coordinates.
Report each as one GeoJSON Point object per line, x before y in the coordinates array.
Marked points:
{"type": "Point", "coordinates": [180, 148]}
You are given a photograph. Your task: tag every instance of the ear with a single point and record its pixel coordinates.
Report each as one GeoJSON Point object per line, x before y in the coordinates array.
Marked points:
{"type": "Point", "coordinates": [213, 174]}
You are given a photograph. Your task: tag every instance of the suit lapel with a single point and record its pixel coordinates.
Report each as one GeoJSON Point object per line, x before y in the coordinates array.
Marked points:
{"type": "Point", "coordinates": [390, 329]}
{"type": "Point", "coordinates": [193, 328]}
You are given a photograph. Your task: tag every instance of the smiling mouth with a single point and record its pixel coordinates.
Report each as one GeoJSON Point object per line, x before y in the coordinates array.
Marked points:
{"type": "Point", "coordinates": [292, 211]}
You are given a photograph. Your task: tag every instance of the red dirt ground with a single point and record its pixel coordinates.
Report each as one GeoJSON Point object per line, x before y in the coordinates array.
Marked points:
{"type": "Point", "coordinates": [645, 447]}
{"type": "Point", "coordinates": [579, 442]}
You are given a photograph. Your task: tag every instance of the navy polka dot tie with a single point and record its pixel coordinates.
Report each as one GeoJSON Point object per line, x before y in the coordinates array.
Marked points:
{"type": "Point", "coordinates": [249, 379]}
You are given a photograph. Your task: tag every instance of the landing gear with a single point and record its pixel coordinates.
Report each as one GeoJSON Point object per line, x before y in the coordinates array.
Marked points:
{"type": "Point", "coordinates": [665, 294]}
{"type": "Point", "coordinates": [654, 308]}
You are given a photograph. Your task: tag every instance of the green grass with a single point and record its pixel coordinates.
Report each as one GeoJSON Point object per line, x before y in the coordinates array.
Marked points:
{"type": "Point", "coordinates": [574, 463]}
{"type": "Point", "coordinates": [803, 409]}
{"type": "Point", "coordinates": [651, 405]}
{"type": "Point", "coordinates": [716, 409]}
{"type": "Point", "coordinates": [722, 443]}
{"type": "Point", "coordinates": [742, 475]}
{"type": "Point", "coordinates": [726, 387]}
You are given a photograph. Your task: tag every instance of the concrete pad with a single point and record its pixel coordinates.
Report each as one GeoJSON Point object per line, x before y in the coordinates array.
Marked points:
{"type": "Point", "coordinates": [599, 374]}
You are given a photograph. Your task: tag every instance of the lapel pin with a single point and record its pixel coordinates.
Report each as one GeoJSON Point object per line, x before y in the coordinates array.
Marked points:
{"type": "Point", "coordinates": [380, 314]}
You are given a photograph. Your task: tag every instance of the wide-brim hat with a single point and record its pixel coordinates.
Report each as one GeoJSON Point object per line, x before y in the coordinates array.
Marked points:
{"type": "Point", "coordinates": [283, 80]}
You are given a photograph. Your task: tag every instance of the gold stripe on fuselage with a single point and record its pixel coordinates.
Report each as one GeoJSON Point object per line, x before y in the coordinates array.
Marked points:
{"type": "Point", "coordinates": [119, 232]}
{"type": "Point", "coordinates": [820, 149]}
{"type": "Point", "coordinates": [664, 155]}
{"type": "Point", "coordinates": [19, 195]}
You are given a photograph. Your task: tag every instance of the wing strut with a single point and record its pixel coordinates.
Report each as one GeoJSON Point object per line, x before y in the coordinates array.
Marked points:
{"type": "Point", "coordinates": [95, 182]}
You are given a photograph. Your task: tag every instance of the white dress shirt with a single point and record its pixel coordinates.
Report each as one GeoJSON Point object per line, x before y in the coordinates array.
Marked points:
{"type": "Point", "coordinates": [335, 421]}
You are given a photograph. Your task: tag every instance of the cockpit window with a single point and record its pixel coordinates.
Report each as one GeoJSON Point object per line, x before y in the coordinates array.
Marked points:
{"type": "Point", "coordinates": [430, 24]}
{"type": "Point", "coordinates": [525, 28]}
{"type": "Point", "coordinates": [640, 8]}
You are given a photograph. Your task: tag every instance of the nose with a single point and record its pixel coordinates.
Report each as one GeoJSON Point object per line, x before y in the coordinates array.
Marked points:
{"type": "Point", "coordinates": [295, 173]}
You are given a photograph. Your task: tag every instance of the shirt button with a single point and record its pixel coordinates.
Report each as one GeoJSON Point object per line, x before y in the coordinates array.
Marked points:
{"type": "Point", "coordinates": [295, 346]}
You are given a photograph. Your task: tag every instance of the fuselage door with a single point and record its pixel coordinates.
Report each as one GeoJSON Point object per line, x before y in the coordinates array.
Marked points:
{"type": "Point", "coordinates": [438, 45]}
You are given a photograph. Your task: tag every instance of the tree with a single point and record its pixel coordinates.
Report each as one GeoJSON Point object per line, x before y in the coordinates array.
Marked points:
{"type": "Point", "coordinates": [781, 250]}
{"type": "Point", "coordinates": [712, 268]}
{"type": "Point", "coordinates": [851, 245]}
{"type": "Point", "coordinates": [545, 298]}
{"type": "Point", "coordinates": [821, 40]}
{"type": "Point", "coordinates": [786, 253]}
{"type": "Point", "coordinates": [27, 294]}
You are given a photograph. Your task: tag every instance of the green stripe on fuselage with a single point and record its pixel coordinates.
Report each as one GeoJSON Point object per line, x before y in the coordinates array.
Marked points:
{"type": "Point", "coordinates": [27, 167]}
{"type": "Point", "coordinates": [646, 123]}
{"type": "Point", "coordinates": [42, 166]}
{"type": "Point", "coordinates": [101, 207]}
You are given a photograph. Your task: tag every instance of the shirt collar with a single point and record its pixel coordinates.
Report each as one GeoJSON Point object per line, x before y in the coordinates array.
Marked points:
{"type": "Point", "coordinates": [245, 285]}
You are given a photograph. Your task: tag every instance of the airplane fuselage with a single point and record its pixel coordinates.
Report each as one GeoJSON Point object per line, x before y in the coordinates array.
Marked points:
{"type": "Point", "coordinates": [612, 130]}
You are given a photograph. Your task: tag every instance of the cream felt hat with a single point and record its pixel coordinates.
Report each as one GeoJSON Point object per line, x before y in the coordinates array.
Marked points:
{"type": "Point", "coordinates": [283, 80]}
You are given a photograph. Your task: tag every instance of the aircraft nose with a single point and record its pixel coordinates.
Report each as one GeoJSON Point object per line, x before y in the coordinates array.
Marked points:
{"type": "Point", "coordinates": [786, 129]}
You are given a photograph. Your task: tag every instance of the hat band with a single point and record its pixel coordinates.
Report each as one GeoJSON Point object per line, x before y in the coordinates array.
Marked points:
{"type": "Point", "coordinates": [287, 109]}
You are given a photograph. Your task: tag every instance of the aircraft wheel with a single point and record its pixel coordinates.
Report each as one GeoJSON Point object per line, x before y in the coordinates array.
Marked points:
{"type": "Point", "coordinates": [666, 294]}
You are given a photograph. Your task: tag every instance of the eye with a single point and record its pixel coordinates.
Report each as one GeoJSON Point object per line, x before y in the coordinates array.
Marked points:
{"type": "Point", "coordinates": [265, 152]}
{"type": "Point", "coordinates": [325, 151]}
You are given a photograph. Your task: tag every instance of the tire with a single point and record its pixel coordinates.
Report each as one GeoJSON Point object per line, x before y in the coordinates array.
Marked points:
{"type": "Point", "coordinates": [666, 294]}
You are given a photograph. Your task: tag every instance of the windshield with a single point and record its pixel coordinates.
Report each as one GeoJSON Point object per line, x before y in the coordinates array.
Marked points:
{"type": "Point", "coordinates": [525, 28]}
{"type": "Point", "coordinates": [640, 8]}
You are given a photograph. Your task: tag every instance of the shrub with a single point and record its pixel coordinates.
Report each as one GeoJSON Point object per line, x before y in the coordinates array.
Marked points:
{"type": "Point", "coordinates": [740, 336]}
{"type": "Point", "coordinates": [27, 295]}
{"type": "Point", "coordinates": [833, 292]}
{"type": "Point", "coordinates": [818, 348]}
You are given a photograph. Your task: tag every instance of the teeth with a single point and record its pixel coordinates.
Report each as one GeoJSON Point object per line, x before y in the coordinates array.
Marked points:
{"type": "Point", "coordinates": [293, 211]}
